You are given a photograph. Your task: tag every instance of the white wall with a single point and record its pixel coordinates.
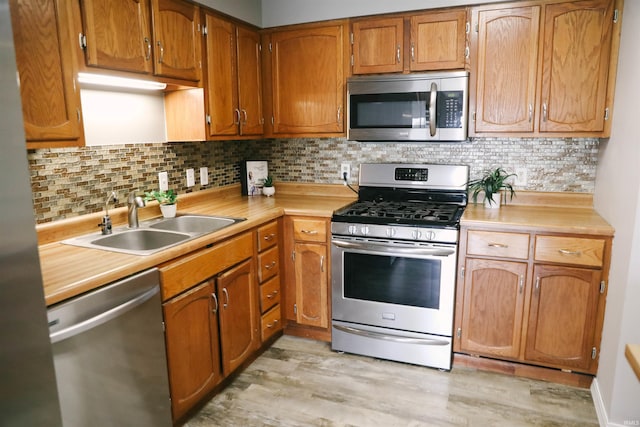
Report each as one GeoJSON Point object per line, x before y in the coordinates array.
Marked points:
{"type": "Point", "coordinates": [247, 10]}
{"type": "Point", "coordinates": [284, 12]}
{"type": "Point", "coordinates": [617, 198]}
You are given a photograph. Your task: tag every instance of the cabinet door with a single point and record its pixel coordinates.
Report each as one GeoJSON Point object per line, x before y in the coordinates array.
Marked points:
{"type": "Point", "coordinates": [506, 58]}
{"type": "Point", "coordinates": [118, 34]}
{"type": "Point", "coordinates": [249, 82]}
{"type": "Point", "coordinates": [438, 40]}
{"type": "Point", "coordinates": [222, 85]}
{"type": "Point", "coordinates": [176, 34]}
{"type": "Point", "coordinates": [378, 46]}
{"type": "Point", "coordinates": [238, 315]}
{"type": "Point", "coordinates": [308, 80]}
{"type": "Point", "coordinates": [562, 317]}
{"type": "Point", "coordinates": [577, 49]}
{"type": "Point", "coordinates": [311, 272]}
{"type": "Point", "coordinates": [50, 100]}
{"type": "Point", "coordinates": [493, 306]}
{"type": "Point", "coordinates": [193, 353]}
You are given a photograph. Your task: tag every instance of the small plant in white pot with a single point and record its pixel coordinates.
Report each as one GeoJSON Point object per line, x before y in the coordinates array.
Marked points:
{"type": "Point", "coordinates": [267, 187]}
{"type": "Point", "coordinates": [493, 183]}
{"type": "Point", "coordinates": [166, 199]}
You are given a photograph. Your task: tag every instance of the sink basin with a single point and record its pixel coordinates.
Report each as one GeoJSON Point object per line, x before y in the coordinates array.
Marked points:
{"type": "Point", "coordinates": [141, 240]}
{"type": "Point", "coordinates": [194, 224]}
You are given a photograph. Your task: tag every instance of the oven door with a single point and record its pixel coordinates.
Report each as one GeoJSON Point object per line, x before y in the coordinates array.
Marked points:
{"type": "Point", "coordinates": [400, 285]}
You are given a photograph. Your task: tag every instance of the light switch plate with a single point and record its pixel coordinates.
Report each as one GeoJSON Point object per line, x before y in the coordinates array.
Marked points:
{"type": "Point", "coordinates": [204, 176]}
{"type": "Point", "coordinates": [163, 181]}
{"type": "Point", "coordinates": [191, 178]}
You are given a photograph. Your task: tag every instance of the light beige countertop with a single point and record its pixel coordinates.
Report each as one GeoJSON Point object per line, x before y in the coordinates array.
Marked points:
{"type": "Point", "coordinates": [68, 271]}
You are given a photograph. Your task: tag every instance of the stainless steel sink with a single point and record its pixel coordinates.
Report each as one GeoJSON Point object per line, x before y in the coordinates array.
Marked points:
{"type": "Point", "coordinates": [154, 235]}
{"type": "Point", "coordinates": [194, 224]}
{"type": "Point", "coordinates": [141, 240]}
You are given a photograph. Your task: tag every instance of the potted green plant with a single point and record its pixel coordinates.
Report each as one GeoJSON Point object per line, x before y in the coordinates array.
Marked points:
{"type": "Point", "coordinates": [493, 183]}
{"type": "Point", "coordinates": [267, 186]}
{"type": "Point", "coordinates": [166, 199]}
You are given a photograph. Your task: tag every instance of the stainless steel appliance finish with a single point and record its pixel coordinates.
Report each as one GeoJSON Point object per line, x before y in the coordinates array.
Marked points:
{"type": "Point", "coordinates": [109, 355]}
{"type": "Point", "coordinates": [408, 107]}
{"type": "Point", "coordinates": [27, 377]}
{"type": "Point", "coordinates": [394, 254]}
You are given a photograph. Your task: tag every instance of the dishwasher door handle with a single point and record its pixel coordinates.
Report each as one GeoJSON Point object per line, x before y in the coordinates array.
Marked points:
{"type": "Point", "coordinates": [103, 317]}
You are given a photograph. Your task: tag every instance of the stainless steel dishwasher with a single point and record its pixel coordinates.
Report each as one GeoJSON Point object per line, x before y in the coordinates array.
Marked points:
{"type": "Point", "coordinates": [109, 355]}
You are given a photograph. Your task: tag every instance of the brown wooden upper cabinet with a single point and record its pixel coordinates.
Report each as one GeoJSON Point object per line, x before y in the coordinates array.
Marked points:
{"type": "Point", "coordinates": [233, 79]}
{"type": "Point", "coordinates": [152, 37]}
{"type": "Point", "coordinates": [433, 40]}
{"type": "Point", "coordinates": [305, 68]}
{"type": "Point", "coordinates": [46, 71]}
{"type": "Point", "coordinates": [547, 68]}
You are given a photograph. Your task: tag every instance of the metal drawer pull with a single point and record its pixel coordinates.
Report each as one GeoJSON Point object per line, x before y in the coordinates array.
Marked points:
{"type": "Point", "coordinates": [537, 284]}
{"type": "Point", "coordinates": [270, 266]}
{"type": "Point", "coordinates": [497, 245]}
{"type": "Point", "coordinates": [269, 237]}
{"type": "Point", "coordinates": [521, 287]}
{"type": "Point", "coordinates": [568, 252]}
{"type": "Point", "coordinates": [272, 294]}
{"type": "Point", "coordinates": [215, 299]}
{"type": "Point", "coordinates": [309, 231]}
{"type": "Point", "coordinates": [161, 58]}
{"type": "Point", "coordinates": [271, 325]}
{"type": "Point", "coordinates": [322, 263]}
{"type": "Point", "coordinates": [398, 54]}
{"type": "Point", "coordinates": [390, 337]}
{"type": "Point", "coordinates": [226, 297]}
{"type": "Point", "coordinates": [148, 43]}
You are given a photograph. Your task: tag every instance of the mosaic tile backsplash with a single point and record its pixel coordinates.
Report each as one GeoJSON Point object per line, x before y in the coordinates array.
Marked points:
{"type": "Point", "coordinates": [67, 182]}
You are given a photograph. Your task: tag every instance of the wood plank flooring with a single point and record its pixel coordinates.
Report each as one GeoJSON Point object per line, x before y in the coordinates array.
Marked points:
{"type": "Point", "coordinates": [301, 382]}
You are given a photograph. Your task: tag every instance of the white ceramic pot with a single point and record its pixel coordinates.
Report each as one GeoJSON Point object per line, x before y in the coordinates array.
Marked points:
{"type": "Point", "coordinates": [497, 201]}
{"type": "Point", "coordinates": [169, 211]}
{"type": "Point", "coordinates": [268, 191]}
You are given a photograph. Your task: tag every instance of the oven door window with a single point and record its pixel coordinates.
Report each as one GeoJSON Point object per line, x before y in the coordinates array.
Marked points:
{"type": "Point", "coordinates": [390, 110]}
{"type": "Point", "coordinates": [392, 279]}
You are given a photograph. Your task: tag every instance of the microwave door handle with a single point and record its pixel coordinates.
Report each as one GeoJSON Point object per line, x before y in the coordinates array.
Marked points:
{"type": "Point", "coordinates": [432, 108]}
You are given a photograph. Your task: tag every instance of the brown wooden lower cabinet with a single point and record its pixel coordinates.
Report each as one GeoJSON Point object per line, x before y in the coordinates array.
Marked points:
{"type": "Point", "coordinates": [193, 349]}
{"type": "Point", "coordinates": [536, 298]}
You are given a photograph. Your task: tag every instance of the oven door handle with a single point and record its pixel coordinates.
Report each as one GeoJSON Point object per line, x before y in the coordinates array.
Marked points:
{"type": "Point", "coordinates": [390, 337]}
{"type": "Point", "coordinates": [394, 250]}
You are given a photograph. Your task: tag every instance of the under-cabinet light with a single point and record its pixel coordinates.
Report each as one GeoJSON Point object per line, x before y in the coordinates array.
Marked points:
{"type": "Point", "coordinates": [119, 82]}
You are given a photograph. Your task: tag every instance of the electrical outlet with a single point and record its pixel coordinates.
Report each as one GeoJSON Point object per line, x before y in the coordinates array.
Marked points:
{"type": "Point", "coordinates": [163, 181]}
{"type": "Point", "coordinates": [204, 176]}
{"type": "Point", "coordinates": [191, 178]}
{"type": "Point", "coordinates": [345, 168]}
{"type": "Point", "coordinates": [521, 178]}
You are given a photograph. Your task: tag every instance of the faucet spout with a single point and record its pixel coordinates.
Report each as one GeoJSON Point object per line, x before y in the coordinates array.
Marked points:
{"type": "Point", "coordinates": [134, 202]}
{"type": "Point", "coordinates": [106, 225]}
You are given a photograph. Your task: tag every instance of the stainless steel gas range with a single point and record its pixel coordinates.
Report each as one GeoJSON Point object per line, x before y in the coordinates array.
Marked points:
{"type": "Point", "coordinates": [394, 255]}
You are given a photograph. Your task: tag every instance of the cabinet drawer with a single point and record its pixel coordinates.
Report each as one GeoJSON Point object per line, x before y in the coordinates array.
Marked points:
{"type": "Point", "coordinates": [271, 322]}
{"type": "Point", "coordinates": [570, 250]}
{"type": "Point", "coordinates": [177, 276]}
{"type": "Point", "coordinates": [268, 265]}
{"type": "Point", "coordinates": [267, 236]}
{"type": "Point", "coordinates": [269, 294]}
{"type": "Point", "coordinates": [309, 230]}
{"type": "Point", "coordinates": [490, 243]}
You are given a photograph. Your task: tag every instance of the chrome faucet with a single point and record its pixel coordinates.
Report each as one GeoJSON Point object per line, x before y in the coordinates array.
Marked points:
{"type": "Point", "coordinates": [105, 225]}
{"type": "Point", "coordinates": [134, 202]}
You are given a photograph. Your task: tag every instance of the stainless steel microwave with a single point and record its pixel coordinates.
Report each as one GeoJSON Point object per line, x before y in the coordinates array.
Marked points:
{"type": "Point", "coordinates": [408, 107]}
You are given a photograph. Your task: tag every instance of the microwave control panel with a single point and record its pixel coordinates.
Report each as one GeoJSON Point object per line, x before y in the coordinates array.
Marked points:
{"type": "Point", "coordinates": [449, 105]}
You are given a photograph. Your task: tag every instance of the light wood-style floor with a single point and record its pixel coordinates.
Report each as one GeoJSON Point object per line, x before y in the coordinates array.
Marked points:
{"type": "Point", "coordinates": [301, 382]}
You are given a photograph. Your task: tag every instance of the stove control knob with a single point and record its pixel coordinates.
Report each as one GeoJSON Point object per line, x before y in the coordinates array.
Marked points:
{"type": "Point", "coordinates": [352, 229]}
{"type": "Point", "coordinates": [416, 234]}
{"type": "Point", "coordinates": [364, 230]}
{"type": "Point", "coordinates": [391, 232]}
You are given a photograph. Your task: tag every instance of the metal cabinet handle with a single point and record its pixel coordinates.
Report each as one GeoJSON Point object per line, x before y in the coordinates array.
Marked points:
{"type": "Point", "coordinates": [544, 111]}
{"type": "Point", "coordinates": [272, 294]}
{"type": "Point", "coordinates": [148, 43]}
{"type": "Point", "coordinates": [568, 252]}
{"type": "Point", "coordinates": [215, 299]}
{"type": "Point", "coordinates": [432, 109]}
{"type": "Point", "coordinates": [521, 286]}
{"type": "Point", "coordinates": [339, 114]}
{"type": "Point", "coordinates": [530, 113]}
{"type": "Point", "coordinates": [270, 266]}
{"type": "Point", "coordinates": [226, 297]}
{"type": "Point", "coordinates": [309, 231]}
{"type": "Point", "coordinates": [497, 245]}
{"type": "Point", "coordinates": [269, 237]}
{"type": "Point", "coordinates": [398, 54]}
{"type": "Point", "coordinates": [413, 52]}
{"type": "Point", "coordinates": [466, 52]}
{"type": "Point", "coordinates": [161, 57]}
{"type": "Point", "coordinates": [244, 113]}
{"type": "Point", "coordinates": [537, 284]}
{"type": "Point", "coordinates": [322, 263]}
{"type": "Point", "coordinates": [271, 325]}
{"type": "Point", "coordinates": [236, 117]}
